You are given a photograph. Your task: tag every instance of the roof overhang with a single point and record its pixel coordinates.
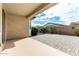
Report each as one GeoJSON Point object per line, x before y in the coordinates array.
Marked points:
{"type": "Point", "coordinates": [40, 9]}
{"type": "Point", "coordinates": [28, 10]}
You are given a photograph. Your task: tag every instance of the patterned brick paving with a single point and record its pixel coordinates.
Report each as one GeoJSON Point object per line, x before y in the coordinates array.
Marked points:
{"type": "Point", "coordinates": [68, 44]}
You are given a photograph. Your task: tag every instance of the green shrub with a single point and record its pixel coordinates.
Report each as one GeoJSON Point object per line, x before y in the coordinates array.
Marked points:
{"type": "Point", "coordinates": [41, 29]}
{"type": "Point", "coordinates": [50, 29]}
{"type": "Point", "coordinates": [34, 31]}
{"type": "Point", "coordinates": [77, 32]}
{"type": "Point", "coordinates": [53, 29]}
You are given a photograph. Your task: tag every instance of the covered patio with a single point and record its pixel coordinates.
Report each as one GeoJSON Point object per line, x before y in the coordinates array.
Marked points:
{"type": "Point", "coordinates": [18, 41]}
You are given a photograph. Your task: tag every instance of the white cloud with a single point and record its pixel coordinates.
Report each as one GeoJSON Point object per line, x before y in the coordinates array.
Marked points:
{"type": "Point", "coordinates": [68, 12]}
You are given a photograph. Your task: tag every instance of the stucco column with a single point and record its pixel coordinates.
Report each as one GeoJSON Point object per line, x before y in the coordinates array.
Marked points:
{"type": "Point", "coordinates": [17, 26]}
{"type": "Point", "coordinates": [0, 26]}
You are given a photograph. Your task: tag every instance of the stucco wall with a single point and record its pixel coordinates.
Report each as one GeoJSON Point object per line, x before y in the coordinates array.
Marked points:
{"type": "Point", "coordinates": [0, 17]}
{"type": "Point", "coordinates": [0, 22]}
{"type": "Point", "coordinates": [65, 30]}
{"type": "Point", "coordinates": [76, 26]}
{"type": "Point", "coordinates": [17, 26]}
{"type": "Point", "coordinates": [0, 26]}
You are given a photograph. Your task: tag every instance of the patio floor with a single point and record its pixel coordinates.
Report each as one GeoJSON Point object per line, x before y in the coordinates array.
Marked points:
{"type": "Point", "coordinates": [43, 45]}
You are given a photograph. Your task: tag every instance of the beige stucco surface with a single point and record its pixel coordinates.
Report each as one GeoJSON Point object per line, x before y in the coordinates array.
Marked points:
{"type": "Point", "coordinates": [17, 26]}
{"type": "Point", "coordinates": [0, 25]}
{"type": "Point", "coordinates": [67, 29]}
{"type": "Point", "coordinates": [30, 47]}
{"type": "Point", "coordinates": [22, 9]}
{"type": "Point", "coordinates": [0, 18]}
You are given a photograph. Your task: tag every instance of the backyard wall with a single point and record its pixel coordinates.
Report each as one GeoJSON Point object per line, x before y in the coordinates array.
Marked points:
{"type": "Point", "coordinates": [76, 26]}
{"type": "Point", "coordinates": [65, 30]}
{"type": "Point", "coordinates": [17, 26]}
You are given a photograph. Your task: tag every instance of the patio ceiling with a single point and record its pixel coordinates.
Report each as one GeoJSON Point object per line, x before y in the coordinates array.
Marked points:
{"type": "Point", "coordinates": [24, 9]}
{"type": "Point", "coordinates": [20, 8]}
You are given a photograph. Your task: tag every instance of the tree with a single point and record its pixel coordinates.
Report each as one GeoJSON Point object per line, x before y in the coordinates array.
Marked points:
{"type": "Point", "coordinates": [50, 29]}
{"type": "Point", "coordinates": [73, 25]}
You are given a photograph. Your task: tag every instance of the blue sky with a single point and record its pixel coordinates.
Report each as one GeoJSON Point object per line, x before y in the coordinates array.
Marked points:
{"type": "Point", "coordinates": [63, 13]}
